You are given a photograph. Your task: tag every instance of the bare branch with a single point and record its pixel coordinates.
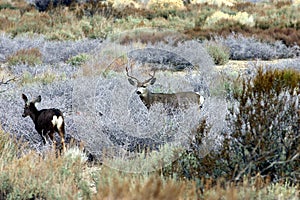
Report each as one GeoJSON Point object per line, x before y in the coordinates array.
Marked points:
{"type": "Point", "coordinates": [6, 82]}
{"type": "Point", "coordinates": [282, 162]}
{"type": "Point", "coordinates": [2, 82]}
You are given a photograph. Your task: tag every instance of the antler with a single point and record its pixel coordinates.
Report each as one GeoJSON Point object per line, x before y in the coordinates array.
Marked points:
{"type": "Point", "coordinates": [127, 73]}
{"type": "Point", "coordinates": [141, 83]}
{"type": "Point", "coordinates": [152, 77]}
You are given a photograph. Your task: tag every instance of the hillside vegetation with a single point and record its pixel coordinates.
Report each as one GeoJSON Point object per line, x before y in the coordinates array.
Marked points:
{"type": "Point", "coordinates": [242, 57]}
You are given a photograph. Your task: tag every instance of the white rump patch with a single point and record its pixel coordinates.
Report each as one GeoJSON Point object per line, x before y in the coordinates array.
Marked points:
{"type": "Point", "coordinates": [57, 121]}
{"type": "Point", "coordinates": [201, 100]}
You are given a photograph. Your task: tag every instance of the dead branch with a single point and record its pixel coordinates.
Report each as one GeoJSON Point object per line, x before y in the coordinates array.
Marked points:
{"type": "Point", "coordinates": [2, 82]}
{"type": "Point", "coordinates": [5, 82]}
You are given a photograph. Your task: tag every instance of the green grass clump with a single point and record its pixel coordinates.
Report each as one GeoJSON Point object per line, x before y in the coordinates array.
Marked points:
{"type": "Point", "coordinates": [7, 6]}
{"type": "Point", "coordinates": [45, 78]}
{"type": "Point", "coordinates": [78, 59]}
{"type": "Point", "coordinates": [218, 52]}
{"type": "Point", "coordinates": [31, 56]}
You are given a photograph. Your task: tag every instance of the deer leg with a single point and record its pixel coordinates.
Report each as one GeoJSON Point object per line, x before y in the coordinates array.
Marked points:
{"type": "Point", "coordinates": [51, 135]}
{"type": "Point", "coordinates": [62, 140]}
{"type": "Point", "coordinates": [61, 132]}
{"type": "Point", "coordinates": [44, 139]}
{"type": "Point", "coordinates": [41, 132]}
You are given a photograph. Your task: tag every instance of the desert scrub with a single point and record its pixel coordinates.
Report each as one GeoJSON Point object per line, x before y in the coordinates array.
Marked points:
{"type": "Point", "coordinates": [7, 6]}
{"type": "Point", "coordinates": [8, 147]}
{"type": "Point", "coordinates": [247, 48]}
{"type": "Point", "coordinates": [226, 83]}
{"type": "Point", "coordinates": [240, 17]}
{"type": "Point", "coordinates": [219, 52]}
{"type": "Point", "coordinates": [165, 4]}
{"type": "Point", "coordinates": [281, 17]}
{"type": "Point", "coordinates": [261, 138]}
{"type": "Point", "coordinates": [44, 78]}
{"type": "Point", "coordinates": [31, 56]}
{"type": "Point", "coordinates": [39, 23]}
{"type": "Point", "coordinates": [78, 59]}
{"type": "Point", "coordinates": [25, 174]}
{"type": "Point", "coordinates": [50, 178]}
{"type": "Point", "coordinates": [264, 124]}
{"type": "Point", "coordinates": [217, 2]}
{"type": "Point", "coordinates": [121, 4]}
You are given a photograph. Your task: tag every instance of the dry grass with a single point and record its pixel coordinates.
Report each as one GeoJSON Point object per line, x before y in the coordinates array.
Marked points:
{"type": "Point", "coordinates": [31, 56]}
{"type": "Point", "coordinates": [26, 174]}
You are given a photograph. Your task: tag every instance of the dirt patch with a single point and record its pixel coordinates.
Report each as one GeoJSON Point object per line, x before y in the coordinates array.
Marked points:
{"type": "Point", "coordinates": [241, 65]}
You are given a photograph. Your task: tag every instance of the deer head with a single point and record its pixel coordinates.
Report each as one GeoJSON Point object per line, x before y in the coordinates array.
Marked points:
{"type": "Point", "coordinates": [29, 107]}
{"type": "Point", "coordinates": [142, 89]}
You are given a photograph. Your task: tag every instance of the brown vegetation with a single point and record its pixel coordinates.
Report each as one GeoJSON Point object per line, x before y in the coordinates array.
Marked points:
{"type": "Point", "coordinates": [277, 21]}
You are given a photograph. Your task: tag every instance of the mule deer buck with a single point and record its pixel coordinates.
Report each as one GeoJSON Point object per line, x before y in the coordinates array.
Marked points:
{"type": "Point", "coordinates": [173, 100]}
{"type": "Point", "coordinates": [46, 121]}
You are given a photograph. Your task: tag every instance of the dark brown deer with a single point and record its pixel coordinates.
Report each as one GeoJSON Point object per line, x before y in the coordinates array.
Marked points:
{"type": "Point", "coordinates": [46, 121]}
{"type": "Point", "coordinates": [173, 100]}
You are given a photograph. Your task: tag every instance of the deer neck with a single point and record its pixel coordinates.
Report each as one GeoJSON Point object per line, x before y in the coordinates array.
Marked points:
{"type": "Point", "coordinates": [146, 98]}
{"type": "Point", "coordinates": [34, 114]}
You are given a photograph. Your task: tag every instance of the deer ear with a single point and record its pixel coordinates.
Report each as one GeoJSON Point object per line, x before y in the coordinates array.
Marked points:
{"type": "Point", "coordinates": [38, 99]}
{"type": "Point", "coordinates": [131, 81]}
{"type": "Point", "coordinates": [24, 97]}
{"type": "Point", "coordinates": [152, 81]}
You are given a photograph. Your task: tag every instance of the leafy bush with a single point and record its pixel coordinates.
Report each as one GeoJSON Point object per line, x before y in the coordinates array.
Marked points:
{"type": "Point", "coordinates": [78, 59]}
{"type": "Point", "coordinates": [264, 124]}
{"type": "Point", "coordinates": [218, 52]}
{"type": "Point", "coordinates": [200, 160]}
